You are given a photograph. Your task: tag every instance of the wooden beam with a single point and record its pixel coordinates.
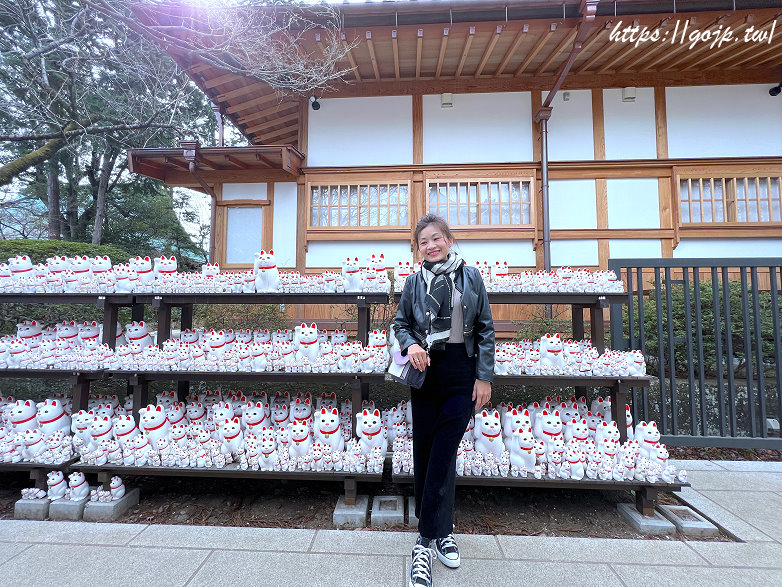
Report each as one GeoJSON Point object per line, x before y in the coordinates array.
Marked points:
{"type": "Point", "coordinates": [660, 122]}
{"type": "Point", "coordinates": [563, 44]}
{"type": "Point", "coordinates": [487, 52]}
{"type": "Point", "coordinates": [465, 50]}
{"type": "Point", "coordinates": [304, 126]}
{"type": "Point", "coordinates": [259, 101]}
{"type": "Point", "coordinates": [598, 124]}
{"type": "Point", "coordinates": [183, 164]}
{"type": "Point", "coordinates": [222, 80]}
{"type": "Point", "coordinates": [510, 52]}
{"type": "Point", "coordinates": [302, 205]}
{"type": "Point", "coordinates": [349, 53]}
{"type": "Point", "coordinates": [418, 129]}
{"type": "Point", "coordinates": [594, 38]}
{"type": "Point", "coordinates": [395, 46]}
{"type": "Point", "coordinates": [535, 50]}
{"type": "Point", "coordinates": [243, 203]}
{"type": "Point", "coordinates": [466, 85]}
{"type": "Point", "coordinates": [280, 136]}
{"type": "Point", "coordinates": [209, 163]}
{"type": "Point", "coordinates": [266, 161]}
{"type": "Point", "coordinates": [620, 56]}
{"type": "Point", "coordinates": [750, 49]}
{"type": "Point", "coordinates": [236, 162]}
{"type": "Point", "coordinates": [255, 88]}
{"type": "Point", "coordinates": [281, 109]}
{"type": "Point", "coordinates": [701, 52]}
{"type": "Point", "coordinates": [372, 56]}
{"type": "Point", "coordinates": [441, 57]}
{"type": "Point", "coordinates": [185, 178]}
{"type": "Point", "coordinates": [267, 219]}
{"type": "Point", "coordinates": [767, 54]}
{"type": "Point", "coordinates": [271, 123]}
{"type": "Point", "coordinates": [596, 56]}
{"type": "Point", "coordinates": [418, 44]}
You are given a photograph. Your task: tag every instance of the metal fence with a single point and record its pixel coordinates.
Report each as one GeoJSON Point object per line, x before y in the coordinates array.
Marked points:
{"type": "Point", "coordinates": [710, 330]}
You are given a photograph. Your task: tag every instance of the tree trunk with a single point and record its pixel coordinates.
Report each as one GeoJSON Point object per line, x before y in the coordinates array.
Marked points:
{"type": "Point", "coordinates": [53, 197]}
{"type": "Point", "coordinates": [109, 157]}
{"type": "Point", "coordinates": [72, 202]}
{"type": "Point", "coordinates": [16, 166]}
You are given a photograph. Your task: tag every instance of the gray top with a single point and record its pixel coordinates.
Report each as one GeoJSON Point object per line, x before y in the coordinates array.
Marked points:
{"type": "Point", "coordinates": [457, 318]}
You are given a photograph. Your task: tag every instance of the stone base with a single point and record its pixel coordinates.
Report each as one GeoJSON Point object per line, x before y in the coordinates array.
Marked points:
{"type": "Point", "coordinates": [31, 509]}
{"type": "Point", "coordinates": [66, 509]}
{"type": "Point", "coordinates": [412, 520]}
{"type": "Point", "coordinates": [655, 525]}
{"type": "Point", "coordinates": [682, 517]}
{"type": "Point", "coordinates": [95, 511]}
{"type": "Point", "coordinates": [351, 516]}
{"type": "Point", "coordinates": [387, 510]}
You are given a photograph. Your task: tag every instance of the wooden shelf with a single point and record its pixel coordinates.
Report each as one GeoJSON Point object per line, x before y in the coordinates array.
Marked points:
{"type": "Point", "coordinates": [601, 300]}
{"type": "Point", "coordinates": [547, 483]}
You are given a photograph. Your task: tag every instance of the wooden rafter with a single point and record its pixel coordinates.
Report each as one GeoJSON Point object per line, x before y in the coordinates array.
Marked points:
{"type": "Point", "coordinates": [278, 133]}
{"type": "Point", "coordinates": [212, 164]}
{"type": "Point", "coordinates": [183, 164]}
{"type": "Point", "coordinates": [246, 89]}
{"type": "Point", "coordinates": [596, 56]}
{"type": "Point", "coordinates": [441, 56]}
{"type": "Point", "coordinates": [395, 46]}
{"type": "Point", "coordinates": [465, 51]}
{"type": "Point", "coordinates": [280, 109]}
{"type": "Point", "coordinates": [282, 138]}
{"type": "Point", "coordinates": [372, 55]}
{"type": "Point", "coordinates": [418, 45]}
{"type": "Point", "coordinates": [352, 59]}
{"type": "Point", "coordinates": [689, 57]}
{"type": "Point", "coordinates": [535, 50]}
{"type": "Point", "coordinates": [620, 56]}
{"type": "Point", "coordinates": [272, 123]}
{"type": "Point", "coordinates": [260, 101]}
{"type": "Point", "coordinates": [487, 52]}
{"type": "Point", "coordinates": [511, 51]}
{"type": "Point", "coordinates": [236, 162]}
{"type": "Point", "coordinates": [644, 54]}
{"type": "Point", "coordinates": [750, 50]}
{"type": "Point", "coordinates": [221, 80]}
{"type": "Point", "coordinates": [772, 54]}
{"type": "Point", "coordinates": [563, 44]}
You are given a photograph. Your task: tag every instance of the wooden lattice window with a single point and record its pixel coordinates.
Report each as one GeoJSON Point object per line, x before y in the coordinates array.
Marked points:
{"type": "Point", "coordinates": [737, 199]}
{"type": "Point", "coordinates": [479, 202]}
{"type": "Point", "coordinates": [346, 206]}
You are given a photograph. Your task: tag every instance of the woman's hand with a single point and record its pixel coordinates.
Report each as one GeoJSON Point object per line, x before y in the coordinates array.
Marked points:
{"type": "Point", "coordinates": [418, 357]}
{"type": "Point", "coordinates": [481, 393]}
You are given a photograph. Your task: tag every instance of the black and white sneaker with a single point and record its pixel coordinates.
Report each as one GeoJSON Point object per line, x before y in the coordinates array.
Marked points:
{"type": "Point", "coordinates": [447, 551]}
{"type": "Point", "coordinates": [421, 569]}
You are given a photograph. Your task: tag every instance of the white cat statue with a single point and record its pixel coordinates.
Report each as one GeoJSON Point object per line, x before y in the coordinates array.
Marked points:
{"type": "Point", "coordinates": [52, 417]}
{"type": "Point", "coordinates": [522, 451]}
{"type": "Point", "coordinates": [267, 275]}
{"type": "Point", "coordinates": [329, 430]}
{"type": "Point", "coordinates": [353, 275]}
{"type": "Point", "coordinates": [154, 423]}
{"type": "Point", "coordinates": [117, 488]}
{"type": "Point", "coordinates": [309, 348]}
{"type": "Point", "coordinates": [371, 432]}
{"type": "Point", "coordinates": [77, 486]}
{"type": "Point", "coordinates": [488, 433]}
{"type": "Point", "coordinates": [56, 485]}
{"type": "Point", "coordinates": [551, 360]}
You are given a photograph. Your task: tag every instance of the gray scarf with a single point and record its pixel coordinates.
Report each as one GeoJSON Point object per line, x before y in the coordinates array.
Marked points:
{"type": "Point", "coordinates": [439, 297]}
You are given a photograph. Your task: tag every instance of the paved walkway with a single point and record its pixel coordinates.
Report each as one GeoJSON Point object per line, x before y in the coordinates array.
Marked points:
{"type": "Point", "coordinates": [744, 497]}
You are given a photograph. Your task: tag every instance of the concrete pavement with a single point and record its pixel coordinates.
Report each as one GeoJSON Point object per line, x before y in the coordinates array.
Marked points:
{"type": "Point", "coordinates": [743, 497]}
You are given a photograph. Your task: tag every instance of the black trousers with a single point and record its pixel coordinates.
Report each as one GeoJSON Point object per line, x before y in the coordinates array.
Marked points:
{"type": "Point", "coordinates": [441, 411]}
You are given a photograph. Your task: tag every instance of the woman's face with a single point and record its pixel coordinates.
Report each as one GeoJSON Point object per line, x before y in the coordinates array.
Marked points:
{"type": "Point", "coordinates": [433, 245]}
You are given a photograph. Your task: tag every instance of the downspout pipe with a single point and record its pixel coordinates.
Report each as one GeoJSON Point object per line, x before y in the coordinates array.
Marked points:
{"type": "Point", "coordinates": [541, 117]}
{"type": "Point", "coordinates": [190, 154]}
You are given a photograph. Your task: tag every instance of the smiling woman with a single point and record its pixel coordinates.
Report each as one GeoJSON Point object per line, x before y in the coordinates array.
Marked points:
{"type": "Point", "coordinates": [444, 325]}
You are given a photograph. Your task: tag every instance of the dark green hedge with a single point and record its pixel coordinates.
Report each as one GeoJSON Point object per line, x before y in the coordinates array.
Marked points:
{"type": "Point", "coordinates": [40, 250]}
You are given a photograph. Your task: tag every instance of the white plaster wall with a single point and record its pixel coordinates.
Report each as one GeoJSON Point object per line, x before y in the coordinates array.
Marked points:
{"type": "Point", "coordinates": [243, 236]}
{"type": "Point", "coordinates": [517, 253]}
{"type": "Point", "coordinates": [630, 248]}
{"type": "Point", "coordinates": [570, 127]}
{"type": "Point", "coordinates": [284, 220]}
{"type": "Point", "coordinates": [723, 121]}
{"type": "Point", "coordinates": [633, 203]}
{"type": "Point", "coordinates": [629, 126]}
{"type": "Point", "coordinates": [244, 191]}
{"type": "Point", "coordinates": [361, 131]}
{"type": "Point", "coordinates": [331, 253]}
{"type": "Point", "coordinates": [576, 253]}
{"type": "Point", "coordinates": [728, 247]}
{"type": "Point", "coordinates": [572, 203]}
{"type": "Point", "coordinates": [480, 128]}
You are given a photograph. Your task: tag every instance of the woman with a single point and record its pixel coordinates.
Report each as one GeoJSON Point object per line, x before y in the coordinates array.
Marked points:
{"type": "Point", "coordinates": [444, 325]}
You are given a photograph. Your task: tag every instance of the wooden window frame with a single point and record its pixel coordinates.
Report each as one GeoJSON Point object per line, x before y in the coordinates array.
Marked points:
{"type": "Point", "coordinates": [332, 233]}
{"type": "Point", "coordinates": [488, 231]}
{"type": "Point", "coordinates": [729, 175]}
{"type": "Point", "coordinates": [267, 226]}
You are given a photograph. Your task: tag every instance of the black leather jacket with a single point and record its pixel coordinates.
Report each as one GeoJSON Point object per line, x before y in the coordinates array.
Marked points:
{"type": "Point", "coordinates": [411, 322]}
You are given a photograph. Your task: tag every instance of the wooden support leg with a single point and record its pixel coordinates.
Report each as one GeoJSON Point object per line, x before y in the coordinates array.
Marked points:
{"type": "Point", "coordinates": [81, 393]}
{"type": "Point", "coordinates": [363, 322]}
{"type": "Point", "coordinates": [137, 312]}
{"type": "Point", "coordinates": [163, 324]}
{"type": "Point", "coordinates": [577, 320]}
{"type": "Point", "coordinates": [38, 476]}
{"type": "Point", "coordinates": [187, 317]}
{"type": "Point", "coordinates": [182, 390]}
{"type": "Point", "coordinates": [618, 402]}
{"type": "Point", "coordinates": [597, 327]}
{"type": "Point", "coordinates": [356, 399]}
{"type": "Point", "coordinates": [110, 313]}
{"type": "Point", "coordinates": [140, 389]}
{"type": "Point", "coordinates": [351, 490]}
{"type": "Point", "coordinates": [646, 500]}
{"type": "Point", "coordinates": [104, 478]}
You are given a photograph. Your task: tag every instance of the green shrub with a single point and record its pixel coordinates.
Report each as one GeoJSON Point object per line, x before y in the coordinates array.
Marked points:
{"type": "Point", "coordinates": [707, 325]}
{"type": "Point", "coordinates": [40, 250]}
{"type": "Point", "coordinates": [238, 316]}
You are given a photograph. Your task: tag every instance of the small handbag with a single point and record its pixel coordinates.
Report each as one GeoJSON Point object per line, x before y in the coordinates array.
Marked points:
{"type": "Point", "coordinates": [402, 371]}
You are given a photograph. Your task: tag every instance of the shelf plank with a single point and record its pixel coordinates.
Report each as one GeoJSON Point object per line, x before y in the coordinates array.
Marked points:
{"type": "Point", "coordinates": [578, 299]}
{"type": "Point", "coordinates": [547, 483]}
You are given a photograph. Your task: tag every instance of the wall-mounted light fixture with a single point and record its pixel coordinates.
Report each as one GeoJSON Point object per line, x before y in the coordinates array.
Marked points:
{"type": "Point", "coordinates": [776, 90]}
{"type": "Point", "coordinates": [315, 103]}
{"type": "Point", "coordinates": [446, 100]}
{"type": "Point", "coordinates": [566, 96]}
{"type": "Point", "coordinates": [628, 94]}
